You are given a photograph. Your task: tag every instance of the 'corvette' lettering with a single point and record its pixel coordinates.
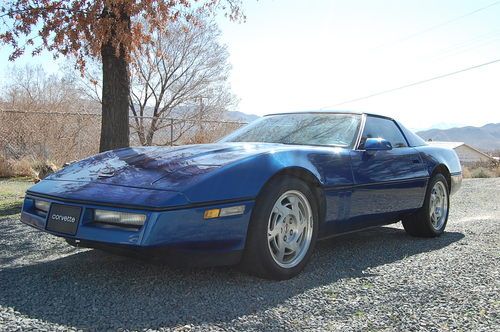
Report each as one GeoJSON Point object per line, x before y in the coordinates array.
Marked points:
{"type": "Point", "coordinates": [59, 217]}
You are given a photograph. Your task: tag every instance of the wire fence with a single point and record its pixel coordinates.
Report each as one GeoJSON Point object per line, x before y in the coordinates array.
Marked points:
{"type": "Point", "coordinates": [62, 137]}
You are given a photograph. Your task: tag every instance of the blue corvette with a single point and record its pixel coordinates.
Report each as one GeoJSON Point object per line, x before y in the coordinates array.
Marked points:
{"type": "Point", "coordinates": [261, 197]}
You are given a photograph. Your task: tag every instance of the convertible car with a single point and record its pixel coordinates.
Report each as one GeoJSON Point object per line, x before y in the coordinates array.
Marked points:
{"type": "Point", "coordinates": [260, 197]}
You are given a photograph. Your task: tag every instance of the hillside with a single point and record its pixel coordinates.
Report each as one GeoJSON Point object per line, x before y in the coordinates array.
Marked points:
{"type": "Point", "coordinates": [239, 116]}
{"type": "Point", "coordinates": [485, 138]}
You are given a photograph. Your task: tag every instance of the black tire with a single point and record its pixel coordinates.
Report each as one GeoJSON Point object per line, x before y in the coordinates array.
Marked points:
{"type": "Point", "coordinates": [420, 223]}
{"type": "Point", "coordinates": [257, 258]}
{"type": "Point", "coordinates": [71, 242]}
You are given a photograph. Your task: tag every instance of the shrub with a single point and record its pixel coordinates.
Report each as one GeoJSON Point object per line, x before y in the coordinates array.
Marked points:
{"type": "Point", "coordinates": [5, 168]}
{"type": "Point", "coordinates": [43, 168]}
{"type": "Point", "coordinates": [481, 172]}
{"type": "Point", "coordinates": [26, 167]}
{"type": "Point", "coordinates": [466, 173]}
{"type": "Point", "coordinates": [496, 171]}
{"type": "Point", "coordinates": [14, 167]}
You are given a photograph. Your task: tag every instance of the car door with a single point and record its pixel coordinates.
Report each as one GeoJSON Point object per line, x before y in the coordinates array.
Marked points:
{"type": "Point", "coordinates": [386, 182]}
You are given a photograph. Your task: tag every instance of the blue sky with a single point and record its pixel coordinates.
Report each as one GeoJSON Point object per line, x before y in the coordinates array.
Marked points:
{"type": "Point", "coordinates": [301, 55]}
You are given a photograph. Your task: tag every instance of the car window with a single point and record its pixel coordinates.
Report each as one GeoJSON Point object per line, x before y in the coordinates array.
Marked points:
{"type": "Point", "coordinates": [412, 138]}
{"type": "Point", "coordinates": [376, 127]}
{"type": "Point", "coordinates": [301, 128]}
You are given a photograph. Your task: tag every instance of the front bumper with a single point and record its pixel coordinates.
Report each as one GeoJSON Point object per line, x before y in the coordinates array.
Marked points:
{"type": "Point", "coordinates": [169, 234]}
{"type": "Point", "coordinates": [182, 257]}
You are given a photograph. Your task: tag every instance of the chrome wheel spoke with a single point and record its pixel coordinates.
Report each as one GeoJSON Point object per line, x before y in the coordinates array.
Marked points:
{"type": "Point", "coordinates": [294, 207]}
{"type": "Point", "coordinates": [271, 235]}
{"type": "Point", "coordinates": [302, 229]}
{"type": "Point", "coordinates": [280, 254]}
{"type": "Point", "coordinates": [293, 246]}
{"type": "Point", "coordinates": [282, 210]}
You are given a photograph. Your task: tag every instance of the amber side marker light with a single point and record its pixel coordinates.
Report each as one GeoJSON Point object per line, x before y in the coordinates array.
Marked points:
{"type": "Point", "coordinates": [224, 212]}
{"type": "Point", "coordinates": [210, 214]}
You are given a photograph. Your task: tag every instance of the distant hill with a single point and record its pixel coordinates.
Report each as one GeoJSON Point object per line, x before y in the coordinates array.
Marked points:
{"type": "Point", "coordinates": [485, 138]}
{"type": "Point", "coordinates": [181, 111]}
{"type": "Point", "coordinates": [239, 116]}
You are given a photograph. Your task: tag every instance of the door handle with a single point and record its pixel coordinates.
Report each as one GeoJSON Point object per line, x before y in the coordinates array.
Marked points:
{"type": "Point", "coordinates": [416, 161]}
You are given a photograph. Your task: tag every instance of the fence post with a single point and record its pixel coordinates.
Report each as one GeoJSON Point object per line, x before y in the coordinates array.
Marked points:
{"type": "Point", "coordinates": [171, 132]}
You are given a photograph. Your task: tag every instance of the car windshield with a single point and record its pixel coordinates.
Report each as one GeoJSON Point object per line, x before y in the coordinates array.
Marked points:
{"type": "Point", "coordinates": [301, 128]}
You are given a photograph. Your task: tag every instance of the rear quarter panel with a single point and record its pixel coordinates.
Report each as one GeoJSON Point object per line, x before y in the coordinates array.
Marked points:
{"type": "Point", "coordinates": [434, 156]}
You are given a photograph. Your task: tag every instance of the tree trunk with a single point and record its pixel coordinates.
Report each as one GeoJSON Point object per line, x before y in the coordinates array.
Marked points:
{"type": "Point", "coordinates": [115, 99]}
{"type": "Point", "coordinates": [115, 84]}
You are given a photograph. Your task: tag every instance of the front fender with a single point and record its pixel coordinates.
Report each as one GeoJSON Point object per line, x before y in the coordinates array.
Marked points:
{"type": "Point", "coordinates": [245, 178]}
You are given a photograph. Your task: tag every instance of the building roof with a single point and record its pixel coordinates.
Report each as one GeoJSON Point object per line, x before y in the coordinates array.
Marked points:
{"type": "Point", "coordinates": [451, 145]}
{"type": "Point", "coordinates": [454, 145]}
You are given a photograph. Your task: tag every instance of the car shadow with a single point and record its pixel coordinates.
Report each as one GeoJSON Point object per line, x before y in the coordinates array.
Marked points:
{"type": "Point", "coordinates": [94, 290]}
{"type": "Point", "coordinates": [10, 209]}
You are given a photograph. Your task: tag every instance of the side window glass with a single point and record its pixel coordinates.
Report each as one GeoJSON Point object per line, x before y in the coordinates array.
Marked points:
{"type": "Point", "coordinates": [382, 128]}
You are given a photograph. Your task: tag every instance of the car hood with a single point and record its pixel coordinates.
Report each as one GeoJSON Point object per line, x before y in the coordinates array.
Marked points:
{"type": "Point", "coordinates": [162, 168]}
{"type": "Point", "coordinates": [168, 177]}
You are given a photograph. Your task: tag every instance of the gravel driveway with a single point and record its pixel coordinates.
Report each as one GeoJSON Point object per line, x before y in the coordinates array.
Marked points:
{"type": "Point", "coordinates": [379, 279]}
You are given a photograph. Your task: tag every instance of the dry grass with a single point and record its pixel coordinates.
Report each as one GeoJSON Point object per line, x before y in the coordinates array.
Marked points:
{"type": "Point", "coordinates": [481, 171]}
{"type": "Point", "coordinates": [210, 132]}
{"type": "Point", "coordinates": [466, 172]}
{"type": "Point", "coordinates": [13, 167]}
{"type": "Point", "coordinates": [12, 194]}
{"type": "Point", "coordinates": [496, 171]}
{"type": "Point", "coordinates": [25, 167]}
{"type": "Point", "coordinates": [56, 137]}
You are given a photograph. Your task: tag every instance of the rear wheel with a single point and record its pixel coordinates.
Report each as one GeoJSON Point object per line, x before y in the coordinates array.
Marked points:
{"type": "Point", "coordinates": [431, 219]}
{"type": "Point", "coordinates": [283, 229]}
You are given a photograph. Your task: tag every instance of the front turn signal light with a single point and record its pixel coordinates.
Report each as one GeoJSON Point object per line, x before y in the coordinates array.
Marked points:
{"type": "Point", "coordinates": [224, 212]}
{"type": "Point", "coordinates": [210, 214]}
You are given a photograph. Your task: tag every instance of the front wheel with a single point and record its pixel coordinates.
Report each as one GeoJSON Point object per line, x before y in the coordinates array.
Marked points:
{"type": "Point", "coordinates": [283, 229]}
{"type": "Point", "coordinates": [431, 219]}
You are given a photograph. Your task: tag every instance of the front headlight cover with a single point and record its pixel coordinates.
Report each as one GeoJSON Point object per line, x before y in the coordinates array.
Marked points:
{"type": "Point", "coordinates": [119, 218]}
{"type": "Point", "coordinates": [42, 205]}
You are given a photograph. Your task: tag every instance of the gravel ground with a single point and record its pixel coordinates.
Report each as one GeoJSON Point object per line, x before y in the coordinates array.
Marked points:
{"type": "Point", "coordinates": [379, 279]}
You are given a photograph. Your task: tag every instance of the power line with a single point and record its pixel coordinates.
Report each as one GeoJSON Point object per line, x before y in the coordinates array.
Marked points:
{"type": "Point", "coordinates": [415, 83]}
{"type": "Point", "coordinates": [477, 41]}
{"type": "Point", "coordinates": [437, 26]}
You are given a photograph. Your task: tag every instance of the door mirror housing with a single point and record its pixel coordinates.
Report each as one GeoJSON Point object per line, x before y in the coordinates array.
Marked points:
{"type": "Point", "coordinates": [377, 144]}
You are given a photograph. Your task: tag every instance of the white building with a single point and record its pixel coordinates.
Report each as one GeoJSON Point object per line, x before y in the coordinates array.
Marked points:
{"type": "Point", "coordinates": [466, 153]}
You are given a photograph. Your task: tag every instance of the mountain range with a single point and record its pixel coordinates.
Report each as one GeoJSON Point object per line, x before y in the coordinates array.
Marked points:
{"type": "Point", "coordinates": [239, 116]}
{"type": "Point", "coordinates": [485, 138]}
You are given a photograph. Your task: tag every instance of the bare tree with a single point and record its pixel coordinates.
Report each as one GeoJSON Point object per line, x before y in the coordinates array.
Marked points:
{"type": "Point", "coordinates": [32, 89]}
{"type": "Point", "coordinates": [182, 74]}
{"type": "Point", "coordinates": [108, 30]}
{"type": "Point", "coordinates": [40, 121]}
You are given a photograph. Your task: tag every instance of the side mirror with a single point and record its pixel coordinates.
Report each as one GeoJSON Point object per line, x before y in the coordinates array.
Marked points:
{"type": "Point", "coordinates": [377, 144]}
